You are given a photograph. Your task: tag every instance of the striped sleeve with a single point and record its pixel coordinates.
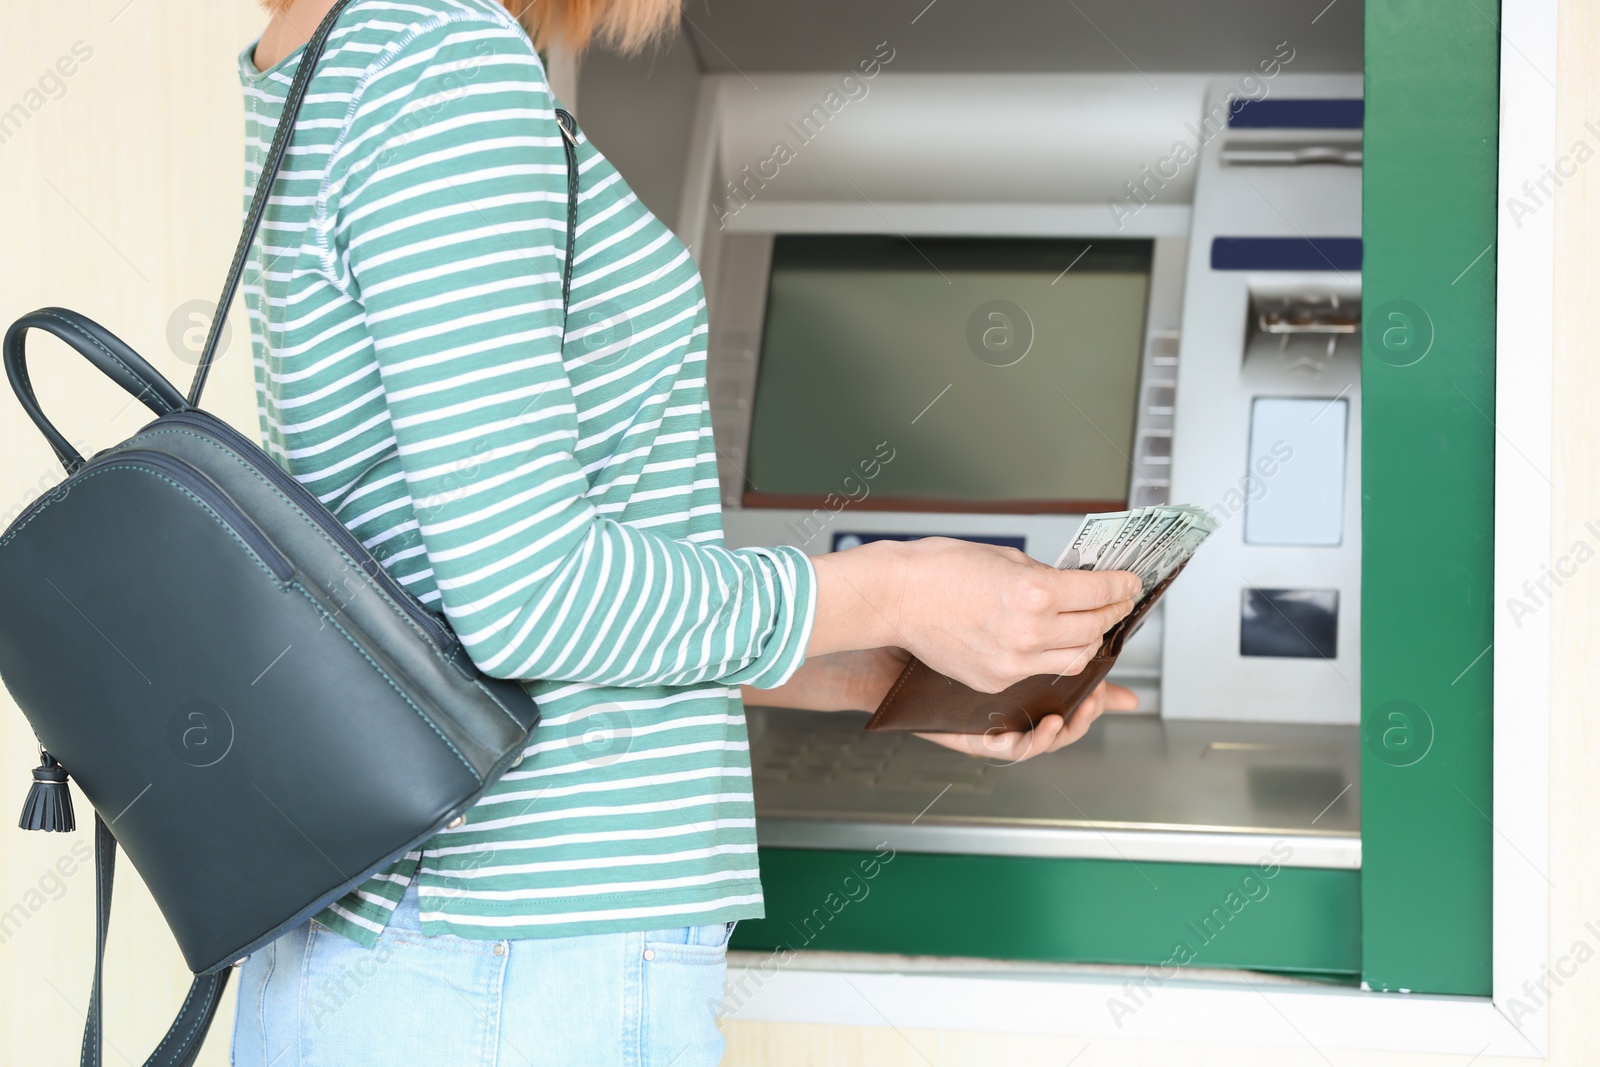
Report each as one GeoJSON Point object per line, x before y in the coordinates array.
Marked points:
{"type": "Point", "coordinates": [445, 218]}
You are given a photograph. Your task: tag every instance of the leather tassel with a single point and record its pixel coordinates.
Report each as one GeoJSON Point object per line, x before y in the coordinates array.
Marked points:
{"type": "Point", "coordinates": [49, 803]}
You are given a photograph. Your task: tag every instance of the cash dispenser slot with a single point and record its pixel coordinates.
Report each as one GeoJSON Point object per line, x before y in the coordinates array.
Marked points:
{"type": "Point", "coordinates": [1316, 313]}
{"type": "Point", "coordinates": [1297, 152]}
{"type": "Point", "coordinates": [1303, 329]}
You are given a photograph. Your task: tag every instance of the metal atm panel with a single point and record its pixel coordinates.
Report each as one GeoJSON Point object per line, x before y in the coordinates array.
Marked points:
{"type": "Point", "coordinates": [1265, 624]}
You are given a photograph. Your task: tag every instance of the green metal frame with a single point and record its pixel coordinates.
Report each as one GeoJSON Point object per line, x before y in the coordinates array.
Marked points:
{"type": "Point", "coordinates": [1427, 381]}
{"type": "Point", "coordinates": [1291, 920]}
{"type": "Point", "coordinates": [1418, 914]}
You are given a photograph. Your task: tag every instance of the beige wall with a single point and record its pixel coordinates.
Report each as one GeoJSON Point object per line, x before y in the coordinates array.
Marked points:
{"type": "Point", "coordinates": [120, 199]}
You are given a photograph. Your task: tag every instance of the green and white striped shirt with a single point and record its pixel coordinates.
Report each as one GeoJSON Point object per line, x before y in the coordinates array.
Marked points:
{"type": "Point", "coordinates": [552, 490]}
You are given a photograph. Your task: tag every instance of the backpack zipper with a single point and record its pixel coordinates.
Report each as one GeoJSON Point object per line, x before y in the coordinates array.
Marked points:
{"type": "Point", "coordinates": [209, 494]}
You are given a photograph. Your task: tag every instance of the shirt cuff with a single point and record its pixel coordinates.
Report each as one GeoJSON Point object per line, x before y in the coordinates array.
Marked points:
{"type": "Point", "coordinates": [795, 611]}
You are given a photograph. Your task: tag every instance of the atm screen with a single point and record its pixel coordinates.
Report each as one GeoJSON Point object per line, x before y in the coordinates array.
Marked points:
{"type": "Point", "coordinates": [997, 374]}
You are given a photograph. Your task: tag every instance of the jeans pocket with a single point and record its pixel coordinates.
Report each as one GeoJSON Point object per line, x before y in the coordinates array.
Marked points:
{"type": "Point", "coordinates": [685, 981]}
{"type": "Point", "coordinates": [689, 944]}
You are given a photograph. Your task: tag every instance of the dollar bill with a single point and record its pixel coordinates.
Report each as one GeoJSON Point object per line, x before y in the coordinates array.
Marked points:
{"type": "Point", "coordinates": [1157, 545]}
{"type": "Point", "coordinates": [1152, 542]}
{"type": "Point", "coordinates": [1166, 559]}
{"type": "Point", "coordinates": [1159, 532]}
{"type": "Point", "coordinates": [1093, 536]}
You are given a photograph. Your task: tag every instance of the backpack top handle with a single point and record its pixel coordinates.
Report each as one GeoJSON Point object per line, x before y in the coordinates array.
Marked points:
{"type": "Point", "coordinates": [100, 347]}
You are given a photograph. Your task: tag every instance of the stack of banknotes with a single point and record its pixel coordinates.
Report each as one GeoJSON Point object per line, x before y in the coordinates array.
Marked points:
{"type": "Point", "coordinates": [1151, 542]}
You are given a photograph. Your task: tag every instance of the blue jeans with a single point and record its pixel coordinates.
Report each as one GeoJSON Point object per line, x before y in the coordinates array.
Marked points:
{"type": "Point", "coordinates": [314, 998]}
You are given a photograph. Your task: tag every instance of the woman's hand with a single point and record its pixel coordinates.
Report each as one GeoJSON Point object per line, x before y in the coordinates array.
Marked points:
{"type": "Point", "coordinates": [857, 680]}
{"type": "Point", "coordinates": [984, 615]}
{"type": "Point", "coordinates": [1052, 733]}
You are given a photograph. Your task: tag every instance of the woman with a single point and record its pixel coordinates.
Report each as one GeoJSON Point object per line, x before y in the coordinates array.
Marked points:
{"type": "Point", "coordinates": [557, 501]}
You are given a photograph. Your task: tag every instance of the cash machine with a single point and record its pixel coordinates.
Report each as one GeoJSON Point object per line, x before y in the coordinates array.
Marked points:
{"type": "Point", "coordinates": [1111, 297]}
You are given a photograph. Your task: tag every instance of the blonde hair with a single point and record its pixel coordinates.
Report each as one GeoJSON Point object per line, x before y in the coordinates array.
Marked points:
{"type": "Point", "coordinates": [626, 25]}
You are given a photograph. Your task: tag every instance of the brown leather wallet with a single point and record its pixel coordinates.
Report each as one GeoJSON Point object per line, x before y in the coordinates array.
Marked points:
{"type": "Point", "coordinates": [925, 701]}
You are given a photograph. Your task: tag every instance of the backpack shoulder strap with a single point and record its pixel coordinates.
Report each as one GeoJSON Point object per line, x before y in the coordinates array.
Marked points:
{"type": "Point", "coordinates": [263, 191]}
{"type": "Point", "coordinates": [188, 1031]}
{"type": "Point", "coordinates": [269, 175]}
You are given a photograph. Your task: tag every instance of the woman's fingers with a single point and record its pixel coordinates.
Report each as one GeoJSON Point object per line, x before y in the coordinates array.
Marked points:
{"type": "Point", "coordinates": [1067, 661]}
{"type": "Point", "coordinates": [1042, 738]}
{"type": "Point", "coordinates": [1106, 697]}
{"type": "Point", "coordinates": [1009, 746]}
{"type": "Point", "coordinates": [1072, 629]}
{"type": "Point", "coordinates": [1119, 699]}
{"type": "Point", "coordinates": [1050, 734]}
{"type": "Point", "coordinates": [971, 744]}
{"type": "Point", "coordinates": [1089, 590]}
{"type": "Point", "coordinates": [1001, 746]}
{"type": "Point", "coordinates": [1005, 746]}
{"type": "Point", "coordinates": [1082, 719]}
{"type": "Point", "coordinates": [985, 616]}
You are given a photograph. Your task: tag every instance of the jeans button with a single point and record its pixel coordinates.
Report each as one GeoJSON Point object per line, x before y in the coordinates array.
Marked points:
{"type": "Point", "coordinates": [649, 953]}
{"type": "Point", "coordinates": [499, 950]}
